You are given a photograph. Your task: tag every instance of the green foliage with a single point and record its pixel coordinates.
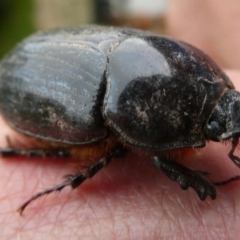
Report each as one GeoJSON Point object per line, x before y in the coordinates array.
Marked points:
{"type": "Point", "coordinates": [16, 22]}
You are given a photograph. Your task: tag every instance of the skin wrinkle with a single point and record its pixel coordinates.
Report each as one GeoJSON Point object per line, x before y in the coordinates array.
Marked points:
{"type": "Point", "coordinates": [226, 227]}
{"type": "Point", "coordinates": [204, 224]}
{"type": "Point", "coordinates": [172, 225]}
{"type": "Point", "coordinates": [234, 211]}
{"type": "Point", "coordinates": [90, 225]}
{"type": "Point", "coordinates": [226, 221]}
{"type": "Point", "coordinates": [158, 223]}
{"type": "Point", "coordinates": [61, 223]}
{"type": "Point", "coordinates": [225, 224]}
{"type": "Point", "coordinates": [71, 231]}
{"type": "Point", "coordinates": [195, 210]}
{"type": "Point", "coordinates": [103, 228]}
{"type": "Point", "coordinates": [180, 227]}
{"type": "Point", "coordinates": [128, 235]}
{"type": "Point", "coordinates": [100, 219]}
{"type": "Point", "coordinates": [113, 225]}
{"type": "Point", "coordinates": [220, 224]}
{"type": "Point", "coordinates": [141, 219]}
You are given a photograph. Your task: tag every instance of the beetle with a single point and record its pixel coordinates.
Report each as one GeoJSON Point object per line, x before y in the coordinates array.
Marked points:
{"type": "Point", "coordinates": [97, 92]}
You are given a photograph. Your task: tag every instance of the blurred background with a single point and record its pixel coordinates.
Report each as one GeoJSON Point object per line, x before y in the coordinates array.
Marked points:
{"type": "Point", "coordinates": [211, 25]}
{"type": "Point", "coordinates": [18, 19]}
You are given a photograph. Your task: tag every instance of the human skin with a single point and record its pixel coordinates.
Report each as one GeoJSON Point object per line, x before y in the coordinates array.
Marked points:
{"type": "Point", "coordinates": [129, 199]}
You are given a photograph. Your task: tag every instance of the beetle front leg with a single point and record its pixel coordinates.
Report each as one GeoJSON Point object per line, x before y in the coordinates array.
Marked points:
{"type": "Point", "coordinates": [186, 177]}
{"type": "Point", "coordinates": [77, 179]}
{"type": "Point", "coordinates": [234, 158]}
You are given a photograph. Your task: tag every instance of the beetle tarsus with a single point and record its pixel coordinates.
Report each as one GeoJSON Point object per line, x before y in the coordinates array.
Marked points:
{"type": "Point", "coordinates": [234, 158]}
{"type": "Point", "coordinates": [77, 179]}
{"type": "Point", "coordinates": [186, 177]}
{"type": "Point", "coordinates": [31, 153]}
{"type": "Point", "coordinates": [47, 191]}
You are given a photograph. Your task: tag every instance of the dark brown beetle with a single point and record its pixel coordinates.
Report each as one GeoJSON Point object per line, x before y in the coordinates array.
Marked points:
{"type": "Point", "coordinates": [98, 91]}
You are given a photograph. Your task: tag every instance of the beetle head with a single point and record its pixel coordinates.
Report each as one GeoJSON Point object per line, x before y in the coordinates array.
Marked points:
{"type": "Point", "coordinates": [224, 122]}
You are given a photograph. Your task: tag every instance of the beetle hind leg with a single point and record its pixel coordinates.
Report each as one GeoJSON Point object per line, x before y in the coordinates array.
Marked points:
{"type": "Point", "coordinates": [12, 151]}
{"type": "Point", "coordinates": [77, 179]}
{"type": "Point", "coordinates": [186, 177]}
{"type": "Point", "coordinates": [31, 153]}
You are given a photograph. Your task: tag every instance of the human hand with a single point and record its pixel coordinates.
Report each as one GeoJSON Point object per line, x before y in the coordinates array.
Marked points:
{"type": "Point", "coordinates": [129, 199]}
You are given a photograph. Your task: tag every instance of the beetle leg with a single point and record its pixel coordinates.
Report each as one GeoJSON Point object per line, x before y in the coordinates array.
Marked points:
{"type": "Point", "coordinates": [77, 179]}
{"type": "Point", "coordinates": [234, 158]}
{"type": "Point", "coordinates": [186, 177]}
{"type": "Point", "coordinates": [31, 153]}
{"type": "Point", "coordinates": [12, 151]}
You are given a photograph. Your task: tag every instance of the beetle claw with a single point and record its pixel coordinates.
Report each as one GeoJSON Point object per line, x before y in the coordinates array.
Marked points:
{"type": "Point", "coordinates": [186, 177]}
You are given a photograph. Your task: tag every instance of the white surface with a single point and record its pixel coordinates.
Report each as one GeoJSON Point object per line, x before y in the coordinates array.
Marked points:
{"type": "Point", "coordinates": [139, 7]}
